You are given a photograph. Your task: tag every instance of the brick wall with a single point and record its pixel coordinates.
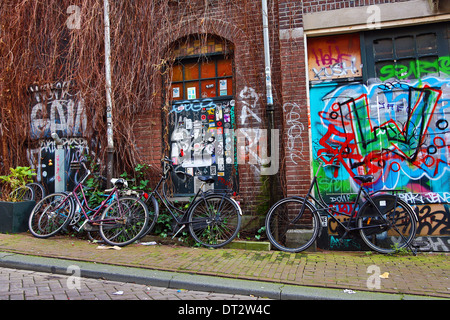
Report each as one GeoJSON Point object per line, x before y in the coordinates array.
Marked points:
{"type": "Point", "coordinates": [241, 25]}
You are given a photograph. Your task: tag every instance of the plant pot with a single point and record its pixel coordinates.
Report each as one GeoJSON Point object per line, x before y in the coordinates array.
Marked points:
{"type": "Point", "coordinates": [14, 216]}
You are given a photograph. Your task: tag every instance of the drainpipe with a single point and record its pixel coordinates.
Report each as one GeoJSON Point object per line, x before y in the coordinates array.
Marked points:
{"type": "Point", "coordinates": [108, 85]}
{"type": "Point", "coordinates": [269, 97]}
{"type": "Point", "coordinates": [268, 73]}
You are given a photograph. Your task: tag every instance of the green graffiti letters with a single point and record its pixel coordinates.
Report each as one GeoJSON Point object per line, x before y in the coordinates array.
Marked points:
{"type": "Point", "coordinates": [416, 68]}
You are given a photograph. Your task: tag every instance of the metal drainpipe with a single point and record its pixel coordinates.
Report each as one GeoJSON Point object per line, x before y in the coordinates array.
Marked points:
{"type": "Point", "coordinates": [269, 96]}
{"type": "Point", "coordinates": [268, 72]}
{"type": "Point", "coordinates": [108, 85]}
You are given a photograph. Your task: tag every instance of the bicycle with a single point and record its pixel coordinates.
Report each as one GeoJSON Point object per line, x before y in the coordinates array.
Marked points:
{"type": "Point", "coordinates": [31, 191]}
{"type": "Point", "coordinates": [385, 222]}
{"type": "Point", "coordinates": [120, 220]}
{"type": "Point", "coordinates": [213, 218]}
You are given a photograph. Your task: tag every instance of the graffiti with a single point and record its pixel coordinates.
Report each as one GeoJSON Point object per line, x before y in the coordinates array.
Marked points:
{"type": "Point", "coordinates": [433, 243]}
{"type": "Point", "coordinates": [249, 99]}
{"type": "Point", "coordinates": [397, 132]}
{"type": "Point", "coordinates": [434, 220]}
{"type": "Point", "coordinates": [334, 57]}
{"type": "Point", "coordinates": [193, 105]}
{"type": "Point", "coordinates": [336, 70]}
{"type": "Point", "coordinates": [429, 197]}
{"type": "Point", "coordinates": [295, 129]}
{"type": "Point", "coordinates": [55, 109]}
{"type": "Point", "coordinates": [43, 160]}
{"type": "Point", "coordinates": [342, 244]}
{"type": "Point", "coordinates": [416, 69]}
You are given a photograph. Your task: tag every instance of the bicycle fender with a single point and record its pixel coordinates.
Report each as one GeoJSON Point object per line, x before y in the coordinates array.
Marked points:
{"type": "Point", "coordinates": [237, 204]}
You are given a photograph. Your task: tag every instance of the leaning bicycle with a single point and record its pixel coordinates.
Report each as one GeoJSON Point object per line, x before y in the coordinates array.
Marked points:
{"type": "Point", "coordinates": [212, 217]}
{"type": "Point", "coordinates": [385, 222]}
{"type": "Point", "coordinates": [119, 220]}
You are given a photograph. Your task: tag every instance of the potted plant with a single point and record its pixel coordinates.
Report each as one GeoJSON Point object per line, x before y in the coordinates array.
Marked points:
{"type": "Point", "coordinates": [16, 201]}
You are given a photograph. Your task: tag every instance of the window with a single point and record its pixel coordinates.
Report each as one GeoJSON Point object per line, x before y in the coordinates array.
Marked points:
{"type": "Point", "coordinates": [406, 53]}
{"type": "Point", "coordinates": [207, 78]}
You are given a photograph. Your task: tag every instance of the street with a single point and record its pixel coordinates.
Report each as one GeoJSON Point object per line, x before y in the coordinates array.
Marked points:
{"type": "Point", "coordinates": [30, 285]}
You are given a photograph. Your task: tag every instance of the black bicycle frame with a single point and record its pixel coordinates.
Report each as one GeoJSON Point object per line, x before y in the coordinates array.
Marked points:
{"type": "Point", "coordinates": [329, 210]}
{"type": "Point", "coordinates": [168, 204]}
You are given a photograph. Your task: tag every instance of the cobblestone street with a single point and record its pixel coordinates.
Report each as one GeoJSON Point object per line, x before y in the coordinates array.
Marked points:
{"type": "Point", "coordinates": [29, 285]}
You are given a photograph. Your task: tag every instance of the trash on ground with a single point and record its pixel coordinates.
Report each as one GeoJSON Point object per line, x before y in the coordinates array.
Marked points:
{"type": "Point", "coordinates": [349, 291]}
{"type": "Point", "coordinates": [118, 293]}
{"type": "Point", "coordinates": [108, 247]}
{"type": "Point", "coordinates": [384, 275]}
{"type": "Point", "coordinates": [151, 243]}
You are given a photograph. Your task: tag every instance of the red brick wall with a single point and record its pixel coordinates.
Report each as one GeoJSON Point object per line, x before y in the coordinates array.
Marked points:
{"type": "Point", "coordinates": [242, 25]}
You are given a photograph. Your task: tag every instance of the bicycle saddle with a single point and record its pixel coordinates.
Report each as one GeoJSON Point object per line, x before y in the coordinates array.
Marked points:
{"type": "Point", "coordinates": [364, 178]}
{"type": "Point", "coordinates": [207, 179]}
{"type": "Point", "coordinates": [119, 183]}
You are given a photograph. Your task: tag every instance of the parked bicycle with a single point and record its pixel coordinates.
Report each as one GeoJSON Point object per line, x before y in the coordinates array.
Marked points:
{"type": "Point", "coordinates": [385, 222]}
{"type": "Point", "coordinates": [119, 220]}
{"type": "Point", "coordinates": [212, 217]}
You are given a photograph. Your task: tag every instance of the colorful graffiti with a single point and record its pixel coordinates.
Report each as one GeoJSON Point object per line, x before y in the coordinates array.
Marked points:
{"type": "Point", "coordinates": [416, 68]}
{"type": "Point", "coordinates": [399, 132]}
{"type": "Point", "coordinates": [334, 57]}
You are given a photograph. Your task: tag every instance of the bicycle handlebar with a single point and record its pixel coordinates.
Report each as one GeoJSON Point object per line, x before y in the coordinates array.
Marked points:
{"type": "Point", "coordinates": [167, 161]}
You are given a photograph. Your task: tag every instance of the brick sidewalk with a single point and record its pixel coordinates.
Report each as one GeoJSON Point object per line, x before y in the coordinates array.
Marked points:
{"type": "Point", "coordinates": [424, 274]}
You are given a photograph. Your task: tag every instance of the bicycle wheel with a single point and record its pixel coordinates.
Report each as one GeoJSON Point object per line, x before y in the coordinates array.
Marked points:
{"type": "Point", "coordinates": [123, 221]}
{"type": "Point", "coordinates": [394, 229]}
{"type": "Point", "coordinates": [288, 228]}
{"type": "Point", "coordinates": [39, 190]}
{"type": "Point", "coordinates": [214, 220]}
{"type": "Point", "coordinates": [50, 215]}
{"type": "Point", "coordinates": [23, 193]}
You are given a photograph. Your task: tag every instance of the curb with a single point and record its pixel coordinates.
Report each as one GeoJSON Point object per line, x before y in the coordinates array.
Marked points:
{"type": "Point", "coordinates": [175, 280]}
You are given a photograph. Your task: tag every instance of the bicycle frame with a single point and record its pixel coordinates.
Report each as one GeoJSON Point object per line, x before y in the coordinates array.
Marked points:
{"type": "Point", "coordinates": [324, 206]}
{"type": "Point", "coordinates": [181, 219]}
{"type": "Point", "coordinates": [84, 206]}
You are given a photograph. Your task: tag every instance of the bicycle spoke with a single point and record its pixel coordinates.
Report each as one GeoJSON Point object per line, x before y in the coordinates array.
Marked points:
{"type": "Point", "coordinates": [288, 228]}
{"type": "Point", "coordinates": [214, 221]}
{"type": "Point", "coordinates": [394, 229]}
{"type": "Point", "coordinates": [124, 221]}
{"type": "Point", "coordinates": [50, 215]}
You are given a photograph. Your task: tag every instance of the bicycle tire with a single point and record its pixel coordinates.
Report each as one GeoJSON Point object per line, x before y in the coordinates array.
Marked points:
{"type": "Point", "coordinates": [287, 230]}
{"type": "Point", "coordinates": [50, 215]}
{"type": "Point", "coordinates": [129, 219]}
{"type": "Point", "coordinates": [380, 237]}
{"type": "Point", "coordinates": [153, 212]}
{"type": "Point", "coordinates": [23, 193]}
{"type": "Point", "coordinates": [214, 220]}
{"type": "Point", "coordinates": [39, 190]}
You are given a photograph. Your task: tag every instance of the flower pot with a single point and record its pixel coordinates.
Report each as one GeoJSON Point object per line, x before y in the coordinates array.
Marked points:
{"type": "Point", "coordinates": [14, 216]}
